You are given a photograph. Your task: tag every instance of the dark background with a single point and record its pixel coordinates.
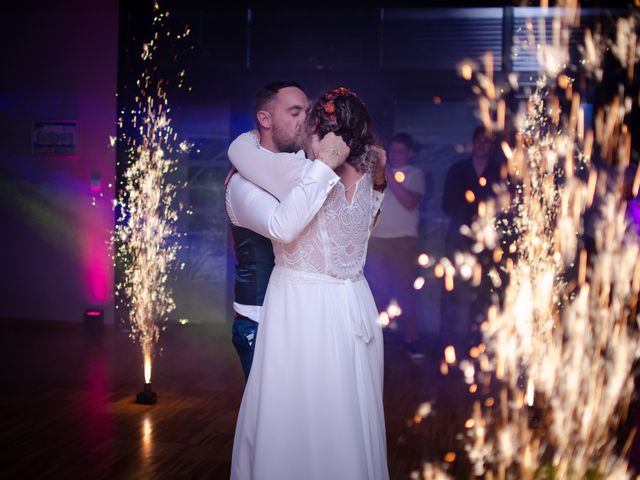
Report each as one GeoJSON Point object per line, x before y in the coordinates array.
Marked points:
{"type": "Point", "coordinates": [67, 62]}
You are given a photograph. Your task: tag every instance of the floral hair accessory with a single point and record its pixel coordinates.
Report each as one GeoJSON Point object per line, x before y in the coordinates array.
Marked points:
{"type": "Point", "coordinates": [337, 92]}
{"type": "Point", "coordinates": [341, 91]}
{"type": "Point", "coordinates": [329, 107]}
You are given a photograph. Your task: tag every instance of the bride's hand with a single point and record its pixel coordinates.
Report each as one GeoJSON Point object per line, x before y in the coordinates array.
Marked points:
{"type": "Point", "coordinates": [332, 149]}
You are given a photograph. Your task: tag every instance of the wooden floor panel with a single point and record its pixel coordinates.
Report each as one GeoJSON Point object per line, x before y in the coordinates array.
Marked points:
{"type": "Point", "coordinates": [68, 411]}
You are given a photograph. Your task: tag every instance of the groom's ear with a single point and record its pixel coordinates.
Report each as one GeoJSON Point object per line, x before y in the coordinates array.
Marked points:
{"type": "Point", "coordinates": [264, 118]}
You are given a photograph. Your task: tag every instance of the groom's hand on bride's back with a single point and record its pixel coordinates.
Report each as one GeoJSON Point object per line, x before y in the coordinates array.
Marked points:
{"type": "Point", "coordinates": [331, 150]}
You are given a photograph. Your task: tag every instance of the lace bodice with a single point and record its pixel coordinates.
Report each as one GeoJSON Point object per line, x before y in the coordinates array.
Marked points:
{"type": "Point", "coordinates": [335, 241]}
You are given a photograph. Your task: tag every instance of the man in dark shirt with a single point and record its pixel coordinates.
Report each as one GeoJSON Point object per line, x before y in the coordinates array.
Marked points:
{"type": "Point", "coordinates": [467, 183]}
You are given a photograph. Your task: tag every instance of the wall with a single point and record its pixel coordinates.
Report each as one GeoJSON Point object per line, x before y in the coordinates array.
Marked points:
{"type": "Point", "coordinates": [60, 64]}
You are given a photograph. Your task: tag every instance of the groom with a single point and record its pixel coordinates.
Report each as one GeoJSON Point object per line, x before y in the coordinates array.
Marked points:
{"type": "Point", "coordinates": [280, 112]}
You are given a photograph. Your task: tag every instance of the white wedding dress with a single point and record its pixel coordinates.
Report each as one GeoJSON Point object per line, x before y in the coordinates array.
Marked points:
{"type": "Point", "coordinates": [312, 407]}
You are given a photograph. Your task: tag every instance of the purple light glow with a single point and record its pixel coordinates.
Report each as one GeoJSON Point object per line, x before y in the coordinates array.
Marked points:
{"type": "Point", "coordinates": [633, 210]}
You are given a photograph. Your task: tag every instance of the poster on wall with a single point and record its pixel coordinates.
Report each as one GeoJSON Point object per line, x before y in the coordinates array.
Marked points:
{"type": "Point", "coordinates": [54, 138]}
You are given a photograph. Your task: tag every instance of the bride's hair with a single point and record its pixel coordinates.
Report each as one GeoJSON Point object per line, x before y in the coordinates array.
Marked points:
{"type": "Point", "coordinates": [341, 111]}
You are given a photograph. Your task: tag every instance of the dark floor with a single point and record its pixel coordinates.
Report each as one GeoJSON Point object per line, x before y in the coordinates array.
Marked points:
{"type": "Point", "coordinates": [68, 411]}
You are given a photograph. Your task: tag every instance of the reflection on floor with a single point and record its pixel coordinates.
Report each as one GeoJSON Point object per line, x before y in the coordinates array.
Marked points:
{"type": "Point", "coordinates": [67, 408]}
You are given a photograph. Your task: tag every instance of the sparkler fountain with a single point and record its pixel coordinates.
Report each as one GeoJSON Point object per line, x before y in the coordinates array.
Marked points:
{"type": "Point", "coordinates": [560, 347]}
{"type": "Point", "coordinates": [145, 231]}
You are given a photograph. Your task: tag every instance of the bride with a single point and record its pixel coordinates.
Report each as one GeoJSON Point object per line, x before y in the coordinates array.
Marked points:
{"type": "Point", "coordinates": [312, 406]}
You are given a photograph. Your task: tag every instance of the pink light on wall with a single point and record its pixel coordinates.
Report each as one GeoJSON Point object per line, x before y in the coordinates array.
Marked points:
{"type": "Point", "coordinates": [96, 226]}
{"type": "Point", "coordinates": [97, 278]}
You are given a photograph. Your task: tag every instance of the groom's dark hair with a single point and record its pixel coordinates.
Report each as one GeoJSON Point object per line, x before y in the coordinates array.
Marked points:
{"type": "Point", "coordinates": [266, 93]}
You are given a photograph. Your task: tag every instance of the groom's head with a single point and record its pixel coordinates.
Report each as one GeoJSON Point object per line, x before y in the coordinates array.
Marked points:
{"type": "Point", "coordinates": [280, 112]}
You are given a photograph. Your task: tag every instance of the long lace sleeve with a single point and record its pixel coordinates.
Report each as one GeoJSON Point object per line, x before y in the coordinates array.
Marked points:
{"type": "Point", "coordinates": [277, 173]}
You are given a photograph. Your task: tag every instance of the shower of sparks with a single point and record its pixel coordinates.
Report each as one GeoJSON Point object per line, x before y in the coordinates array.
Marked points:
{"type": "Point", "coordinates": [394, 310]}
{"type": "Point", "coordinates": [383, 319]}
{"type": "Point", "coordinates": [145, 232]}
{"type": "Point", "coordinates": [466, 71]}
{"type": "Point", "coordinates": [450, 354]}
{"type": "Point", "coordinates": [185, 147]}
{"type": "Point", "coordinates": [559, 348]}
{"type": "Point", "coordinates": [147, 369]}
